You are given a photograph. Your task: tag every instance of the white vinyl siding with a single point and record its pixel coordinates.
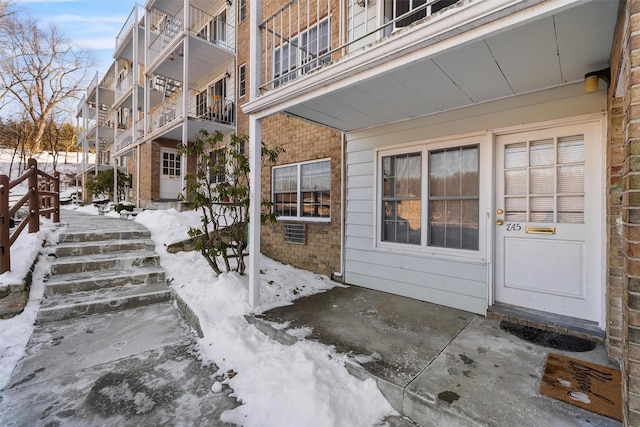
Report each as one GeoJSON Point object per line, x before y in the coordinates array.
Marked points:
{"type": "Point", "coordinates": [456, 278]}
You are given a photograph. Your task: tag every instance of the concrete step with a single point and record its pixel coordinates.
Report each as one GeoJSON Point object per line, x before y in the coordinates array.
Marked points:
{"type": "Point", "coordinates": [94, 280]}
{"type": "Point", "coordinates": [103, 235]}
{"type": "Point", "coordinates": [70, 306]}
{"type": "Point", "coordinates": [78, 264]}
{"type": "Point", "coordinates": [100, 247]}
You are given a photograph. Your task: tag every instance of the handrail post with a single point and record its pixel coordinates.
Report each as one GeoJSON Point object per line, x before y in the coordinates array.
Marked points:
{"type": "Point", "coordinates": [56, 198]}
{"type": "Point", "coordinates": [5, 246]}
{"type": "Point", "coordinates": [34, 200]}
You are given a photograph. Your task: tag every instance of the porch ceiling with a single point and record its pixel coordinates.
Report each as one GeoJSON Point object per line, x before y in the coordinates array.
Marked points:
{"type": "Point", "coordinates": [125, 50]}
{"type": "Point", "coordinates": [172, 7]}
{"type": "Point", "coordinates": [540, 52]}
{"type": "Point", "coordinates": [203, 57]}
{"type": "Point", "coordinates": [194, 126]}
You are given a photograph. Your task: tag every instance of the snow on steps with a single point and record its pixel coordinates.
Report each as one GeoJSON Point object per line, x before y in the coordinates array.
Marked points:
{"type": "Point", "coordinates": [111, 260]}
{"type": "Point", "coordinates": [102, 271]}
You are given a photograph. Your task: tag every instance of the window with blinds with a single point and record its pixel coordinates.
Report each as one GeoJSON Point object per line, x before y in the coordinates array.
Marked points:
{"type": "Point", "coordinates": [544, 180]}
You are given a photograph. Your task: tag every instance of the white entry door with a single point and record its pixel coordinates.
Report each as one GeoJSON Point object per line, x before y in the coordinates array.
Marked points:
{"type": "Point", "coordinates": [549, 220]}
{"type": "Point", "coordinates": [170, 174]}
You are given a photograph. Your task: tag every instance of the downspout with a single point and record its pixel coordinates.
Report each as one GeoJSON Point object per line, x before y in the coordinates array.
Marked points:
{"type": "Point", "coordinates": [343, 143]}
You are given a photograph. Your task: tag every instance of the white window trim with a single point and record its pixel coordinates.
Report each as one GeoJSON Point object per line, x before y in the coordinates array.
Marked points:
{"type": "Point", "coordinates": [298, 67]}
{"type": "Point", "coordinates": [484, 194]}
{"type": "Point", "coordinates": [299, 198]}
{"type": "Point", "coordinates": [243, 65]}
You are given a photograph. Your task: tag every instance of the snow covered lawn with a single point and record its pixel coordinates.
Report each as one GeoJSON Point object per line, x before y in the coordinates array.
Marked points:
{"type": "Point", "coordinates": [305, 384]}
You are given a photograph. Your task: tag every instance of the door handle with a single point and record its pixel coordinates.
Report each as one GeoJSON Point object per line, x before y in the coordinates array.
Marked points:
{"type": "Point", "coordinates": [499, 222]}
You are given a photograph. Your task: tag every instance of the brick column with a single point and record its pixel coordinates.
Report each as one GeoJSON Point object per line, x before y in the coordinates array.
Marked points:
{"type": "Point", "coordinates": [615, 159]}
{"type": "Point", "coordinates": [630, 344]}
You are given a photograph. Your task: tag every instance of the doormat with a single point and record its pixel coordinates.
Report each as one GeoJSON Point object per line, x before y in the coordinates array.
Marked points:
{"type": "Point", "coordinates": [547, 338]}
{"type": "Point", "coordinates": [595, 388]}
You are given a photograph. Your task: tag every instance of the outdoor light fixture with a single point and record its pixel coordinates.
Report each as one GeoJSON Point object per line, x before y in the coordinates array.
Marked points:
{"type": "Point", "coordinates": [592, 79]}
{"type": "Point", "coordinates": [229, 2]}
{"type": "Point", "coordinates": [362, 3]}
{"type": "Point", "coordinates": [227, 75]}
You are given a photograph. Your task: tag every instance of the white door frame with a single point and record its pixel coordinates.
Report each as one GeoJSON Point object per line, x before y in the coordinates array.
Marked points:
{"type": "Point", "coordinates": [178, 180]}
{"type": "Point", "coordinates": [600, 119]}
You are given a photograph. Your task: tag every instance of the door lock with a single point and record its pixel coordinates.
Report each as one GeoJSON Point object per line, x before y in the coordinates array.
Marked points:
{"type": "Point", "coordinates": [499, 211]}
{"type": "Point", "coordinates": [499, 222]}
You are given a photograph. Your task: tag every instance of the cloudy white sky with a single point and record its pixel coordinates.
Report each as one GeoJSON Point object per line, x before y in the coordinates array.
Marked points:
{"type": "Point", "coordinates": [93, 24]}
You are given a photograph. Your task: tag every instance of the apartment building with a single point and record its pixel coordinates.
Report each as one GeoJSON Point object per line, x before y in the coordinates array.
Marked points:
{"type": "Point", "coordinates": [489, 150]}
{"type": "Point", "coordinates": [476, 154]}
{"type": "Point", "coordinates": [177, 71]}
{"type": "Point", "coordinates": [172, 76]}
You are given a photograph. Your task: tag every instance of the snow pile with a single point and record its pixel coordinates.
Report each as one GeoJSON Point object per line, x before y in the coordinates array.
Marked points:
{"type": "Point", "coordinates": [303, 385]}
{"type": "Point", "coordinates": [15, 332]}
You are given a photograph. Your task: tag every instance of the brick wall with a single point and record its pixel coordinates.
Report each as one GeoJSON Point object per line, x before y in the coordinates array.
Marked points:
{"type": "Point", "coordinates": [302, 141]}
{"type": "Point", "coordinates": [614, 239]}
{"type": "Point", "coordinates": [150, 169]}
{"type": "Point", "coordinates": [625, 59]}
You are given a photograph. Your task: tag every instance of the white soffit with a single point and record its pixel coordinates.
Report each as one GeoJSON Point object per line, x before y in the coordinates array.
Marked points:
{"type": "Point", "coordinates": [542, 53]}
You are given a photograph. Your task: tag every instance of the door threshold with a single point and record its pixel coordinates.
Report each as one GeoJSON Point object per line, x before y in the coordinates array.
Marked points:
{"type": "Point", "coordinates": [547, 321]}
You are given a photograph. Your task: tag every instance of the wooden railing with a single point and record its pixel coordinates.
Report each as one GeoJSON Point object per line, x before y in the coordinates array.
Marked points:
{"type": "Point", "coordinates": [41, 199]}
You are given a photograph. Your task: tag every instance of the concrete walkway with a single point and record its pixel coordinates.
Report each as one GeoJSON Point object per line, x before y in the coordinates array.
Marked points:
{"type": "Point", "coordinates": [437, 365]}
{"type": "Point", "coordinates": [109, 347]}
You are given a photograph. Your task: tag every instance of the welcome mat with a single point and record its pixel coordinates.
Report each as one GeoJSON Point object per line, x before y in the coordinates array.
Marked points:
{"type": "Point", "coordinates": [595, 388]}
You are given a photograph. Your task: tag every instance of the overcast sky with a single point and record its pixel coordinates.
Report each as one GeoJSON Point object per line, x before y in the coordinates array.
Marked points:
{"type": "Point", "coordinates": [93, 24]}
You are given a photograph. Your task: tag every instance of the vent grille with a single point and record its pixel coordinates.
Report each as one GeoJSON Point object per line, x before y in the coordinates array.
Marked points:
{"type": "Point", "coordinates": [295, 233]}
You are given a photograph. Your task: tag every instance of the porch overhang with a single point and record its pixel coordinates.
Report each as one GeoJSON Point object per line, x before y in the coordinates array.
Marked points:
{"type": "Point", "coordinates": [194, 126]}
{"type": "Point", "coordinates": [490, 50]}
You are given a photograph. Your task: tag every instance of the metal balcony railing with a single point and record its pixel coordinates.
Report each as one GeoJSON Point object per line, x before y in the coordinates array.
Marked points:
{"type": "Point", "coordinates": [136, 15]}
{"type": "Point", "coordinates": [166, 112]}
{"type": "Point", "coordinates": [212, 108]}
{"type": "Point", "coordinates": [108, 81]}
{"type": "Point", "coordinates": [201, 24]}
{"type": "Point", "coordinates": [124, 138]}
{"type": "Point", "coordinates": [305, 35]}
{"type": "Point", "coordinates": [167, 28]}
{"type": "Point", "coordinates": [124, 84]}
{"type": "Point", "coordinates": [214, 29]}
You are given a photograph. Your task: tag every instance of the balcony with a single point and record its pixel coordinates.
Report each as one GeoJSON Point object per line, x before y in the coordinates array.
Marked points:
{"type": "Point", "coordinates": [439, 56]}
{"type": "Point", "coordinates": [203, 112]}
{"type": "Point", "coordinates": [126, 137]}
{"type": "Point", "coordinates": [125, 39]}
{"type": "Point", "coordinates": [211, 44]}
{"type": "Point", "coordinates": [101, 90]}
{"type": "Point", "coordinates": [123, 91]}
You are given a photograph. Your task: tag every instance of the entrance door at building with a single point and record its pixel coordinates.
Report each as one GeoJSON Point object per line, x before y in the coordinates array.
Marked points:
{"type": "Point", "coordinates": [170, 174]}
{"type": "Point", "coordinates": [548, 220]}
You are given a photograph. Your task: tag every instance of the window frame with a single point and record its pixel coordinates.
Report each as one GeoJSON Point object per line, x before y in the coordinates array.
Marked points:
{"type": "Point", "coordinates": [484, 191]}
{"type": "Point", "coordinates": [303, 62]}
{"type": "Point", "coordinates": [299, 200]}
{"type": "Point", "coordinates": [242, 10]}
{"type": "Point", "coordinates": [242, 80]}
{"type": "Point", "coordinates": [218, 156]}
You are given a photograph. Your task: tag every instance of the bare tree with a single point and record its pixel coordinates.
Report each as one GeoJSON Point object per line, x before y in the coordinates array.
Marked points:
{"type": "Point", "coordinates": [40, 71]}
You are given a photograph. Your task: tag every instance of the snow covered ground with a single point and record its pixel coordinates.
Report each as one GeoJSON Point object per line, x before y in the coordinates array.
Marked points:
{"type": "Point", "coordinates": [305, 384]}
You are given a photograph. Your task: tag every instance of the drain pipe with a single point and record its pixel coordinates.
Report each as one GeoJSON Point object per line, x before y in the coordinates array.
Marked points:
{"type": "Point", "coordinates": [338, 275]}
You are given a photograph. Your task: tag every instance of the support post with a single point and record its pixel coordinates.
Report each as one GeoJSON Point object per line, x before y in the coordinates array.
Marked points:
{"type": "Point", "coordinates": [34, 200]}
{"type": "Point", "coordinates": [255, 190]}
{"type": "Point", "coordinates": [255, 152]}
{"type": "Point", "coordinates": [5, 246]}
